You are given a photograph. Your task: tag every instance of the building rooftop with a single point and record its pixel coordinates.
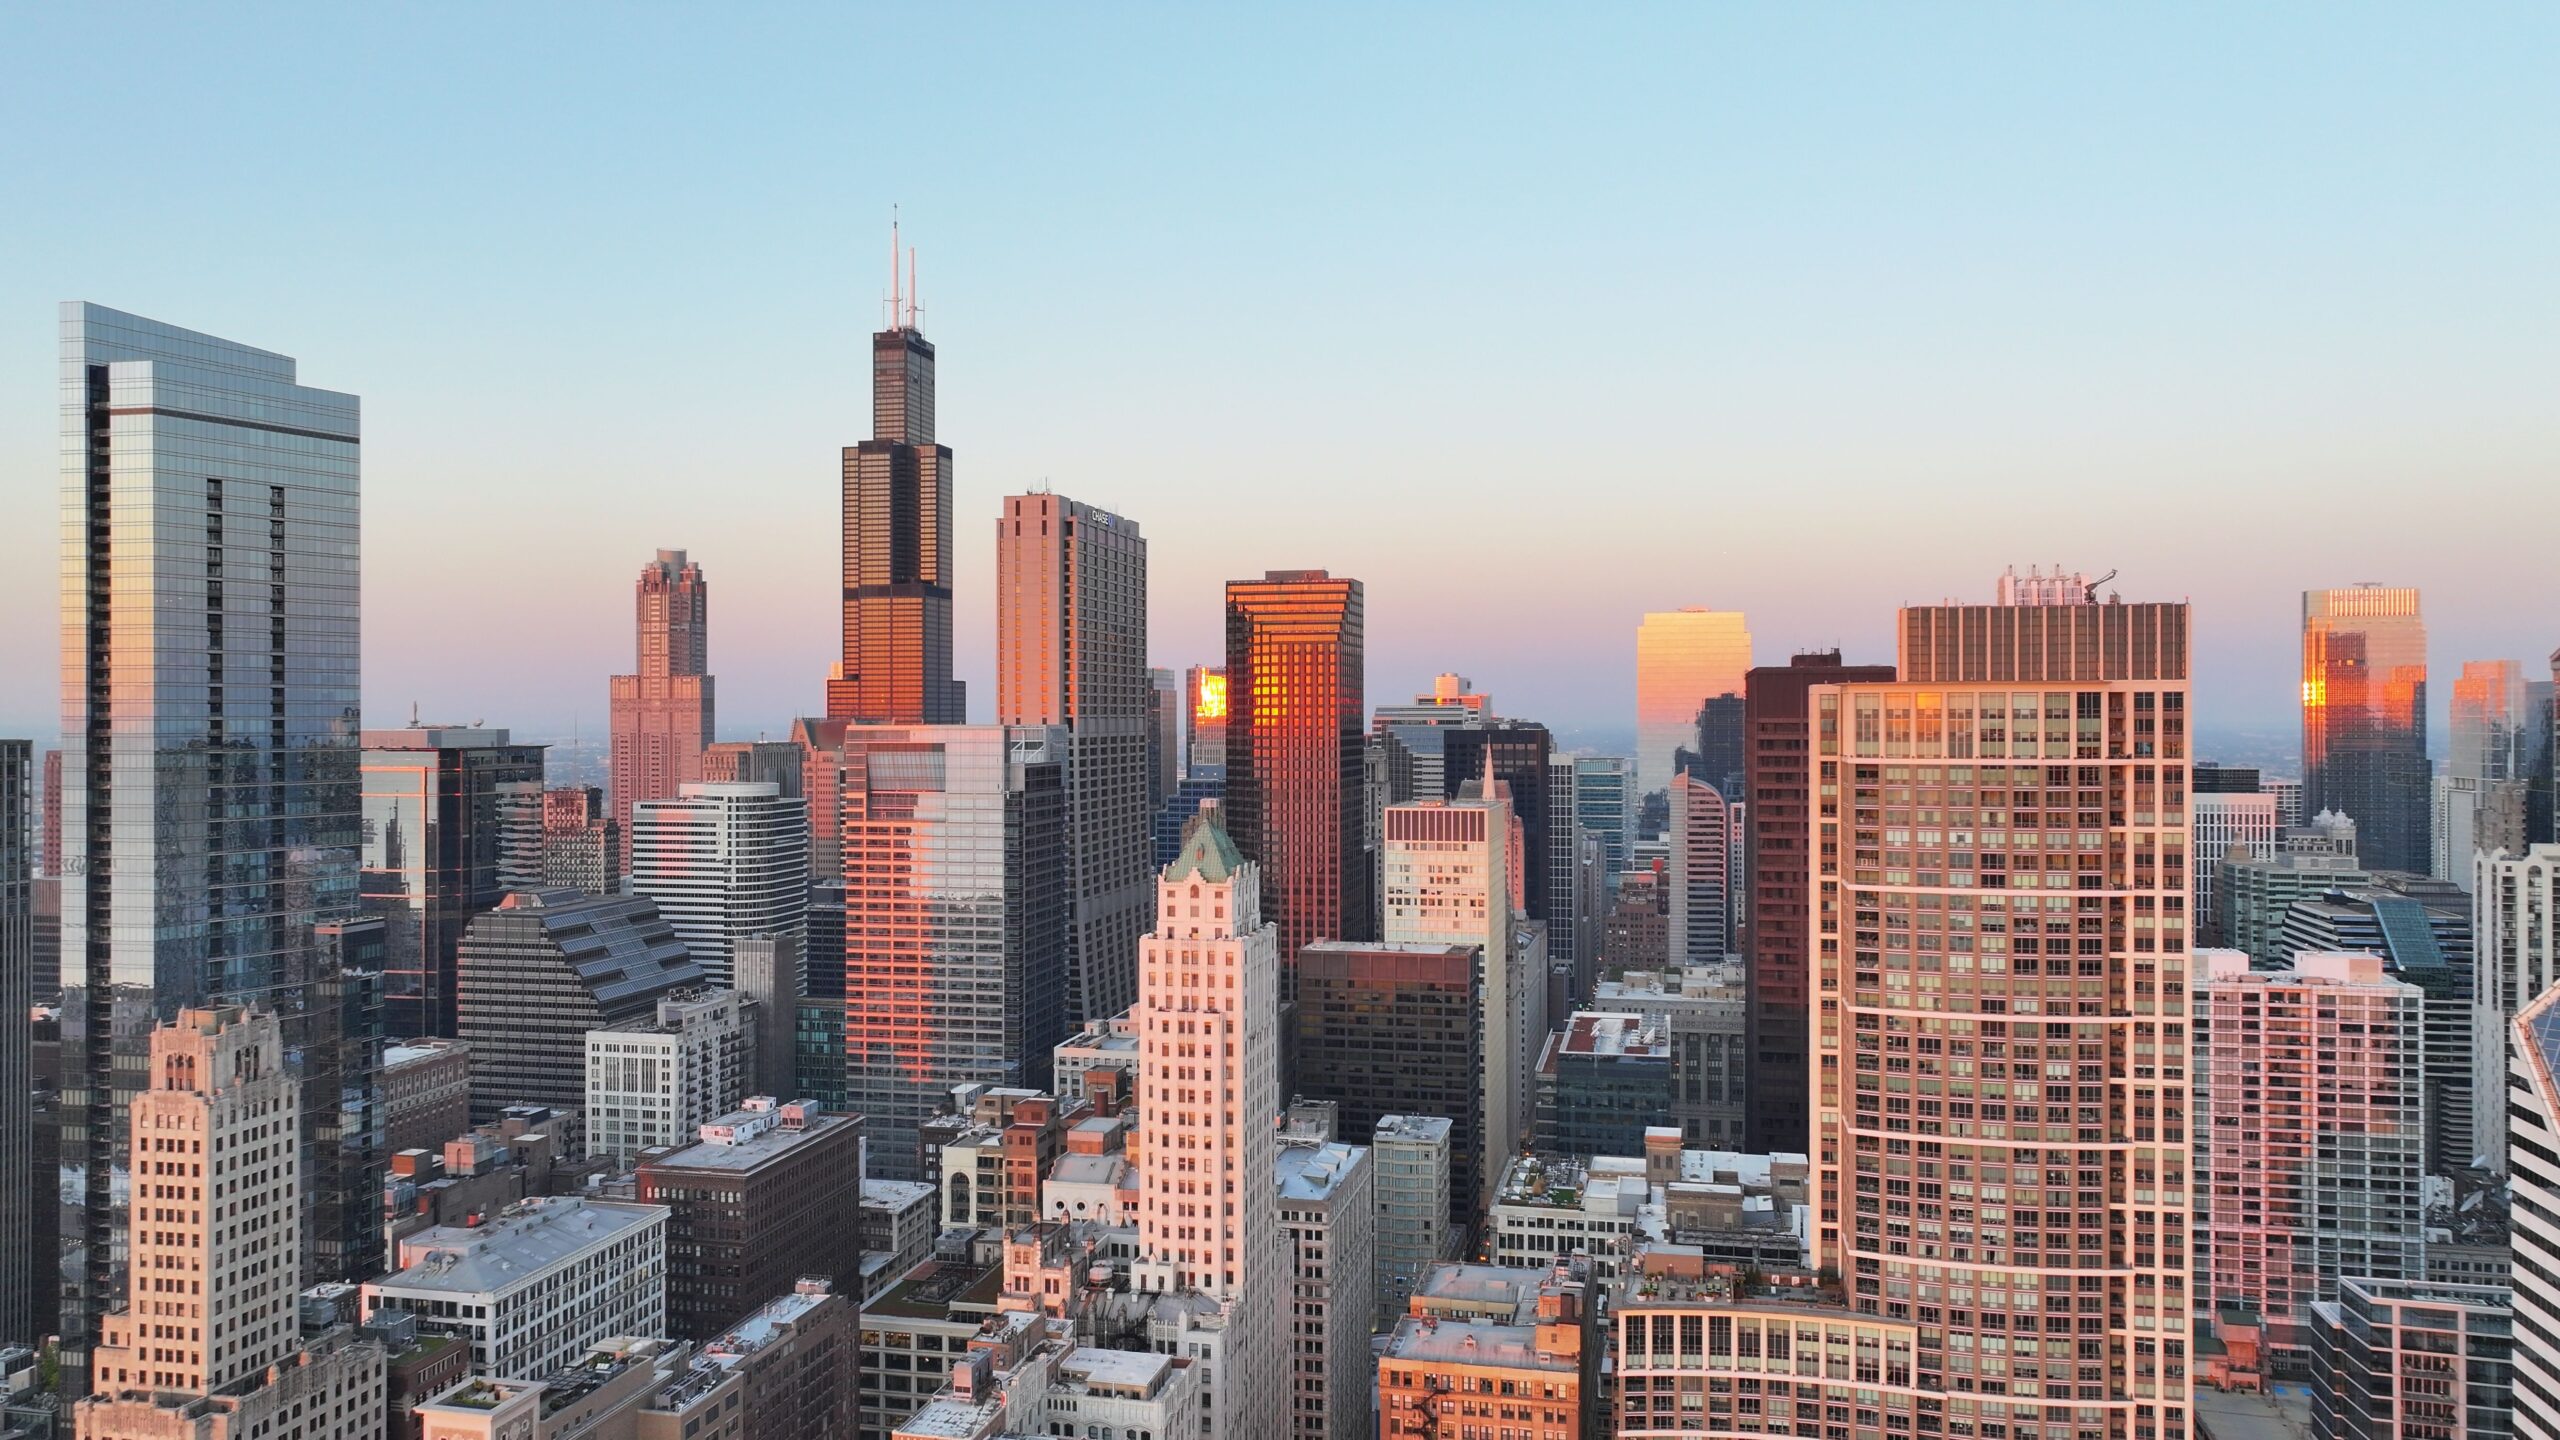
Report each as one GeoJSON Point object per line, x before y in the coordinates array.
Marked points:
{"type": "Point", "coordinates": [1314, 1172]}
{"type": "Point", "coordinates": [412, 1051]}
{"type": "Point", "coordinates": [763, 1139]}
{"type": "Point", "coordinates": [1461, 1342]}
{"type": "Point", "coordinates": [1605, 1035]}
{"type": "Point", "coordinates": [947, 1418]}
{"type": "Point", "coordinates": [756, 1330]}
{"type": "Point", "coordinates": [1111, 1169]}
{"type": "Point", "coordinates": [527, 1240]}
{"type": "Point", "coordinates": [1140, 1370]}
{"type": "Point", "coordinates": [934, 1288]}
{"type": "Point", "coordinates": [1466, 1283]}
{"type": "Point", "coordinates": [894, 1194]}
{"type": "Point", "coordinates": [1414, 1129]}
{"type": "Point", "coordinates": [1637, 990]}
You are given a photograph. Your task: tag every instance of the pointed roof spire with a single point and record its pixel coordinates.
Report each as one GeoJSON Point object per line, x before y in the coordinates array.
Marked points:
{"type": "Point", "coordinates": [1207, 850]}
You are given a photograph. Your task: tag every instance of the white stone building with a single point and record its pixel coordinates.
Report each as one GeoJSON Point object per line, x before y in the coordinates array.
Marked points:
{"type": "Point", "coordinates": [539, 1285]}
{"type": "Point", "coordinates": [657, 1084]}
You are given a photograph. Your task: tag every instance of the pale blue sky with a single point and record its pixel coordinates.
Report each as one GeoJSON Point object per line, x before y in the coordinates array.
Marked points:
{"type": "Point", "coordinates": [1533, 318]}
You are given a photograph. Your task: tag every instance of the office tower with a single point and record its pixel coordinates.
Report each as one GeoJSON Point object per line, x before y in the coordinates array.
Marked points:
{"type": "Point", "coordinates": [2254, 889]}
{"type": "Point", "coordinates": [1701, 848]}
{"type": "Point", "coordinates": [2515, 933]}
{"type": "Point", "coordinates": [955, 872]}
{"type": "Point", "coordinates": [1164, 741]}
{"type": "Point", "coordinates": [20, 1266]}
{"type": "Point", "coordinates": [2364, 719]}
{"type": "Point", "coordinates": [538, 1284]}
{"type": "Point", "coordinates": [2395, 1358]}
{"type": "Point", "coordinates": [2490, 722]}
{"type": "Point", "coordinates": [774, 762]}
{"type": "Point", "coordinates": [662, 714]}
{"type": "Point", "coordinates": [2288, 793]}
{"type": "Point", "coordinates": [1295, 773]}
{"type": "Point", "coordinates": [1071, 638]}
{"type": "Point", "coordinates": [541, 970]}
{"type": "Point", "coordinates": [761, 1199]}
{"type": "Point", "coordinates": [1415, 1167]}
{"type": "Point", "coordinates": [654, 1083]}
{"type": "Point", "coordinates": [2223, 819]}
{"type": "Point", "coordinates": [1329, 1220]}
{"type": "Point", "coordinates": [209, 551]}
{"type": "Point", "coordinates": [1636, 933]}
{"type": "Point", "coordinates": [1602, 1082]}
{"type": "Point", "coordinates": [2421, 929]}
{"type": "Point", "coordinates": [1603, 805]}
{"type": "Point", "coordinates": [2313, 1135]}
{"type": "Point", "coordinates": [1452, 700]}
{"type": "Point", "coordinates": [1703, 1011]}
{"type": "Point", "coordinates": [1204, 721]}
{"type": "Point", "coordinates": [2533, 1101]}
{"type": "Point", "coordinates": [1682, 657]}
{"type": "Point", "coordinates": [337, 1030]}
{"type": "Point", "coordinates": [581, 844]}
{"type": "Point", "coordinates": [771, 982]}
{"type": "Point", "coordinates": [897, 548]}
{"type": "Point", "coordinates": [1386, 1027]}
{"type": "Point", "coordinates": [724, 861]}
{"type": "Point", "coordinates": [1970, 952]}
{"type": "Point", "coordinates": [453, 821]}
{"type": "Point", "coordinates": [1208, 1044]}
{"type": "Point", "coordinates": [2209, 777]}
{"type": "Point", "coordinates": [1521, 755]}
{"type": "Point", "coordinates": [210, 1343]}
{"type": "Point", "coordinates": [1449, 868]}
{"type": "Point", "coordinates": [49, 858]}
{"type": "Point", "coordinates": [1716, 756]}
{"type": "Point", "coordinates": [426, 1094]}
{"type": "Point", "coordinates": [1777, 786]}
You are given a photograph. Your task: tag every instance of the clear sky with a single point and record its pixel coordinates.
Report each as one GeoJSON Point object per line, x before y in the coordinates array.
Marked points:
{"type": "Point", "coordinates": [1533, 319]}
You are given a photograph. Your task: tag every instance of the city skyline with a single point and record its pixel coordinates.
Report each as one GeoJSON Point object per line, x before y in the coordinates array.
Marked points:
{"type": "Point", "coordinates": [2249, 318]}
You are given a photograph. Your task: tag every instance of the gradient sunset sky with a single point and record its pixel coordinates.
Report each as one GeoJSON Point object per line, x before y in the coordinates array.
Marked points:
{"type": "Point", "coordinates": [1533, 319]}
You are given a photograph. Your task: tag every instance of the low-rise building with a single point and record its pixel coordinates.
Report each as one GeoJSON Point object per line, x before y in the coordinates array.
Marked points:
{"type": "Point", "coordinates": [758, 1202]}
{"type": "Point", "coordinates": [897, 1231]}
{"type": "Point", "coordinates": [796, 1357]}
{"type": "Point", "coordinates": [537, 1286]}
{"type": "Point", "coordinates": [1440, 1378]}
{"type": "Point", "coordinates": [626, 1388]}
{"type": "Point", "coordinates": [990, 1154]}
{"type": "Point", "coordinates": [1703, 1011]}
{"type": "Point", "coordinates": [1025, 1376]}
{"type": "Point", "coordinates": [912, 1334]}
{"type": "Point", "coordinates": [1098, 1064]}
{"type": "Point", "coordinates": [1739, 1208]}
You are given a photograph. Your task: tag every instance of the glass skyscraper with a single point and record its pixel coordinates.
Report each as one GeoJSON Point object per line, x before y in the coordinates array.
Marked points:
{"type": "Point", "coordinates": [1682, 658]}
{"type": "Point", "coordinates": [209, 707]}
{"type": "Point", "coordinates": [452, 822]}
{"type": "Point", "coordinates": [2364, 720]}
{"type": "Point", "coordinates": [1296, 771]}
{"type": "Point", "coordinates": [897, 550]}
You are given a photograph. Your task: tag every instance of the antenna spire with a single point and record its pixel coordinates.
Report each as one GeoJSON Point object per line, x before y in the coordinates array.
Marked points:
{"type": "Point", "coordinates": [895, 299]}
{"type": "Point", "coordinates": [915, 307]}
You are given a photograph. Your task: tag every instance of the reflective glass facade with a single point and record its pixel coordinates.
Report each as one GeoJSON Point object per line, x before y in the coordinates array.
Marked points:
{"type": "Point", "coordinates": [1296, 797]}
{"type": "Point", "coordinates": [209, 706]}
{"type": "Point", "coordinates": [2364, 720]}
{"type": "Point", "coordinates": [955, 880]}
{"type": "Point", "coordinates": [897, 552]}
{"type": "Point", "coordinates": [1682, 658]}
{"type": "Point", "coordinates": [452, 822]}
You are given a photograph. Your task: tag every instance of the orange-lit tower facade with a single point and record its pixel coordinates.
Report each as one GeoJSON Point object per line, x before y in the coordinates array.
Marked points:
{"type": "Point", "coordinates": [2364, 720]}
{"type": "Point", "coordinates": [1296, 707]}
{"type": "Point", "coordinates": [897, 544]}
{"type": "Point", "coordinates": [2000, 964]}
{"type": "Point", "coordinates": [662, 713]}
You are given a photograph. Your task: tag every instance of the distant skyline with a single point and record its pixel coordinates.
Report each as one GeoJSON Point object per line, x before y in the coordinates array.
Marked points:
{"type": "Point", "coordinates": [1531, 321]}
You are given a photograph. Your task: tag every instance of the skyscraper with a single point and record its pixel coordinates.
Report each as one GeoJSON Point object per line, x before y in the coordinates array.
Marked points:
{"type": "Point", "coordinates": [19, 1264]}
{"type": "Point", "coordinates": [49, 859]}
{"type": "Point", "coordinates": [209, 670]}
{"type": "Point", "coordinates": [2224, 818]}
{"type": "Point", "coordinates": [2311, 1134]}
{"type": "Point", "coordinates": [581, 845]}
{"type": "Point", "coordinates": [1208, 1017]}
{"type": "Point", "coordinates": [1682, 657]}
{"type": "Point", "coordinates": [1164, 738]}
{"type": "Point", "coordinates": [453, 820]}
{"type": "Point", "coordinates": [1777, 867]}
{"type": "Point", "coordinates": [955, 876]}
{"type": "Point", "coordinates": [1701, 872]}
{"type": "Point", "coordinates": [1721, 742]}
{"type": "Point", "coordinates": [662, 714]}
{"type": "Point", "coordinates": [897, 546]}
{"type": "Point", "coordinates": [2481, 799]}
{"type": "Point", "coordinates": [1071, 642]}
{"type": "Point", "coordinates": [1295, 770]}
{"type": "Point", "coordinates": [1204, 721]}
{"type": "Point", "coordinates": [2364, 720]}
{"type": "Point", "coordinates": [725, 862]}
{"type": "Point", "coordinates": [1604, 806]}
{"type": "Point", "coordinates": [1939, 952]}
{"type": "Point", "coordinates": [2515, 935]}
{"type": "Point", "coordinates": [210, 1343]}
{"type": "Point", "coordinates": [541, 970]}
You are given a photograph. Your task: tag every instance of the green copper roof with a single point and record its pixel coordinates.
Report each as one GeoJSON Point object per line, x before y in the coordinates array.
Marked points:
{"type": "Point", "coordinates": [1206, 851]}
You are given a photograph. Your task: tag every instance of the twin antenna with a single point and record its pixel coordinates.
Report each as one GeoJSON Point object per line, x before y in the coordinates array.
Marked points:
{"type": "Point", "coordinates": [904, 308]}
